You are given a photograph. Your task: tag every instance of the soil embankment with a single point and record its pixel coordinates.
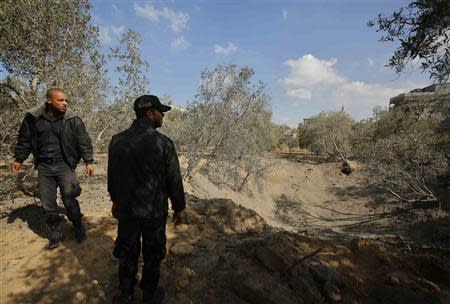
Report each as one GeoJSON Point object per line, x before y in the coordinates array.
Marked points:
{"type": "Point", "coordinates": [230, 253]}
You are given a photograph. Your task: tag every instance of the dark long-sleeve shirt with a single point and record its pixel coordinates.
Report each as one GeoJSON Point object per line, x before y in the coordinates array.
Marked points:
{"type": "Point", "coordinates": [143, 172]}
{"type": "Point", "coordinates": [75, 141]}
{"type": "Point", "coordinates": [48, 132]}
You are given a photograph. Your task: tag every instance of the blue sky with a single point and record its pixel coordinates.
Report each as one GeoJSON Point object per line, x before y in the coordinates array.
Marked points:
{"type": "Point", "coordinates": [314, 55]}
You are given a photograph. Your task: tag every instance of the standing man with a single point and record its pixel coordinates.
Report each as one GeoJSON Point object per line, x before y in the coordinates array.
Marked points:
{"type": "Point", "coordinates": [58, 140]}
{"type": "Point", "coordinates": [143, 172]}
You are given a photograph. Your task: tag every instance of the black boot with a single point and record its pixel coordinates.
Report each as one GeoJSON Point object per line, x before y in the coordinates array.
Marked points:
{"type": "Point", "coordinates": [80, 232]}
{"type": "Point", "coordinates": [155, 297]}
{"type": "Point", "coordinates": [56, 236]}
{"type": "Point", "coordinates": [123, 298]}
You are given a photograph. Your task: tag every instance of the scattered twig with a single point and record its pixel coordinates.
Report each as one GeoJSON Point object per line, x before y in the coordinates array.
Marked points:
{"type": "Point", "coordinates": [309, 255]}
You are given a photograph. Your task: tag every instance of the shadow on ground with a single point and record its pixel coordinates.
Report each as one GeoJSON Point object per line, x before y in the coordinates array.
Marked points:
{"type": "Point", "coordinates": [228, 254]}
{"type": "Point", "coordinates": [71, 273]}
{"type": "Point", "coordinates": [33, 216]}
{"type": "Point", "coordinates": [434, 232]}
{"type": "Point", "coordinates": [362, 189]}
{"type": "Point", "coordinates": [323, 220]}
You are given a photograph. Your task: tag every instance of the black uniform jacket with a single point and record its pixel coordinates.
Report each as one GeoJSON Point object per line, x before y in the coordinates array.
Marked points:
{"type": "Point", "coordinates": [143, 172]}
{"type": "Point", "coordinates": [75, 142]}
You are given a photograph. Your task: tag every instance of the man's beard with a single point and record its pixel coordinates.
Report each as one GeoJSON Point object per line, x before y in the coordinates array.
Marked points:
{"type": "Point", "coordinates": [56, 112]}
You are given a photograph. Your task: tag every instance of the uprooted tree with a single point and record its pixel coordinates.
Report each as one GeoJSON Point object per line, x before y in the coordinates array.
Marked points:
{"type": "Point", "coordinates": [409, 154]}
{"type": "Point", "coordinates": [224, 130]}
{"type": "Point", "coordinates": [328, 134]}
{"type": "Point", "coordinates": [404, 154]}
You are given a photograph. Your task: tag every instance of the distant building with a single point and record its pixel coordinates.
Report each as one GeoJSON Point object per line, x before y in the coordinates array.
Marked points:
{"type": "Point", "coordinates": [433, 101]}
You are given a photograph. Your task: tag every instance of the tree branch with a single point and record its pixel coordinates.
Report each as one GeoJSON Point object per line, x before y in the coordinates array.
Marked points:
{"type": "Point", "coordinates": [19, 95]}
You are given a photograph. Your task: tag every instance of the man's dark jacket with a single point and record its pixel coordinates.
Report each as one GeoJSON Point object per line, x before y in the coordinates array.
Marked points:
{"type": "Point", "coordinates": [75, 142]}
{"type": "Point", "coordinates": [143, 172]}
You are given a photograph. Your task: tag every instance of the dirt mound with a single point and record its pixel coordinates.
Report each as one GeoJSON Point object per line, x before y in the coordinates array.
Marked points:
{"type": "Point", "coordinates": [242, 260]}
{"type": "Point", "coordinates": [224, 253]}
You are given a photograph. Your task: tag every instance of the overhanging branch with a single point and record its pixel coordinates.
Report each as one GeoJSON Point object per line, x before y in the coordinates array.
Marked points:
{"type": "Point", "coordinates": [18, 99]}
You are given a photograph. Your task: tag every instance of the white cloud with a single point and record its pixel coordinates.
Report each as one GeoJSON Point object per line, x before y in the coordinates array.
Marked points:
{"type": "Point", "coordinates": [309, 76]}
{"type": "Point", "coordinates": [179, 44]}
{"type": "Point", "coordinates": [147, 11]}
{"type": "Point", "coordinates": [108, 34]}
{"type": "Point", "coordinates": [300, 93]}
{"type": "Point", "coordinates": [231, 48]}
{"type": "Point", "coordinates": [285, 14]}
{"type": "Point", "coordinates": [308, 71]}
{"type": "Point", "coordinates": [370, 61]}
{"type": "Point", "coordinates": [360, 93]}
{"type": "Point", "coordinates": [177, 19]}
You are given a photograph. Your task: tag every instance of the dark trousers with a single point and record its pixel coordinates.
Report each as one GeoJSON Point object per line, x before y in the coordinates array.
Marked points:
{"type": "Point", "coordinates": [50, 177]}
{"type": "Point", "coordinates": [128, 247]}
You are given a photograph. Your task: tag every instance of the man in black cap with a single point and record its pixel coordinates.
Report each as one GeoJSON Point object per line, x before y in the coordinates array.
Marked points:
{"type": "Point", "coordinates": [143, 172]}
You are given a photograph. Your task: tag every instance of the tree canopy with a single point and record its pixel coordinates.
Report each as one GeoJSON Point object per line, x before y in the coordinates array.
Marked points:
{"type": "Point", "coordinates": [40, 40]}
{"type": "Point", "coordinates": [226, 126]}
{"type": "Point", "coordinates": [423, 30]}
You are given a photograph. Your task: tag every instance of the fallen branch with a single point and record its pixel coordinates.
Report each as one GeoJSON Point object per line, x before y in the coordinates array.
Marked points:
{"type": "Point", "coordinates": [308, 256]}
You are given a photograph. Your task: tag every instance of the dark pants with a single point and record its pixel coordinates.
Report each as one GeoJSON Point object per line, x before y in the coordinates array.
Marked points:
{"type": "Point", "coordinates": [128, 247]}
{"type": "Point", "coordinates": [51, 176]}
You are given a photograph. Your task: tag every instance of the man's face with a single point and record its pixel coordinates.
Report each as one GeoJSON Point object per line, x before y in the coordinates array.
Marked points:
{"type": "Point", "coordinates": [156, 117]}
{"type": "Point", "coordinates": [58, 100]}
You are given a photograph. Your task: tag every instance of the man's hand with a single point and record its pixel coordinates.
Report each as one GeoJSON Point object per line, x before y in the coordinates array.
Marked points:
{"type": "Point", "coordinates": [15, 166]}
{"type": "Point", "coordinates": [90, 169]}
{"type": "Point", "coordinates": [113, 209]}
{"type": "Point", "coordinates": [178, 218]}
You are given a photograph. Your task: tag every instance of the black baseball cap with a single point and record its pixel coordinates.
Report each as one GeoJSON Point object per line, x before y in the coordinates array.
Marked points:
{"type": "Point", "coordinates": [150, 101]}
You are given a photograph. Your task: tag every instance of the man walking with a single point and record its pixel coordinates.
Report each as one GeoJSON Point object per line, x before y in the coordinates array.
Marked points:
{"type": "Point", "coordinates": [143, 172]}
{"type": "Point", "coordinates": [58, 140]}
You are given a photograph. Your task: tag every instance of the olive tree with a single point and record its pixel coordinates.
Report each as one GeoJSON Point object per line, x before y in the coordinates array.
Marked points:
{"type": "Point", "coordinates": [225, 128]}
{"type": "Point", "coordinates": [131, 69]}
{"type": "Point", "coordinates": [423, 30]}
{"type": "Point", "coordinates": [174, 121]}
{"type": "Point", "coordinates": [403, 153]}
{"type": "Point", "coordinates": [328, 134]}
{"type": "Point", "coordinates": [288, 138]}
{"type": "Point", "coordinates": [42, 44]}
{"type": "Point", "coordinates": [55, 46]}
{"type": "Point", "coordinates": [45, 44]}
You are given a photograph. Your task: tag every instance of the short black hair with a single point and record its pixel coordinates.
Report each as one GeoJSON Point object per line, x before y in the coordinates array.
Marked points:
{"type": "Point", "coordinates": [53, 90]}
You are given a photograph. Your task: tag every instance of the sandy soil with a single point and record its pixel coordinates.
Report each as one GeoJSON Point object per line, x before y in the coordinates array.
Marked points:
{"type": "Point", "coordinates": [305, 194]}
{"type": "Point", "coordinates": [299, 194]}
